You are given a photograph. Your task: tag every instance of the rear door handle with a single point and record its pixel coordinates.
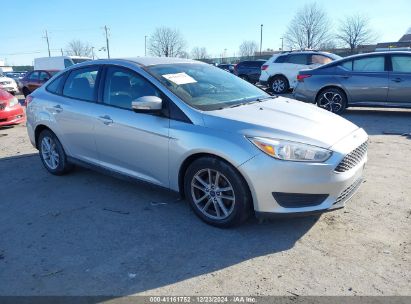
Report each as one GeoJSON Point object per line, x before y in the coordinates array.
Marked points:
{"type": "Point", "coordinates": [397, 79]}
{"type": "Point", "coordinates": [58, 108]}
{"type": "Point", "coordinates": [106, 119]}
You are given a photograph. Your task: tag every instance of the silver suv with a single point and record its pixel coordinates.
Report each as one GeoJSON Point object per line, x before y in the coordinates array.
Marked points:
{"type": "Point", "coordinates": [224, 144]}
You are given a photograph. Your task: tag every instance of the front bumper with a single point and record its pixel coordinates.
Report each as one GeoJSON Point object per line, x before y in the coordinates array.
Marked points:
{"type": "Point", "coordinates": [266, 176]}
{"type": "Point", "coordinates": [10, 88]}
{"type": "Point", "coordinates": [12, 116]}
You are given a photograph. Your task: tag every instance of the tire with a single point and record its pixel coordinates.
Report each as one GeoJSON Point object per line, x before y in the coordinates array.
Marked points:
{"type": "Point", "coordinates": [279, 85]}
{"type": "Point", "coordinates": [51, 149]}
{"type": "Point", "coordinates": [244, 77]}
{"type": "Point", "coordinates": [208, 200]}
{"type": "Point", "coordinates": [333, 100]}
{"type": "Point", "coordinates": [26, 92]}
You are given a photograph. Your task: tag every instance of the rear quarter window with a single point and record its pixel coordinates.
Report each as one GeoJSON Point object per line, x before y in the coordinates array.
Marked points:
{"type": "Point", "coordinates": [56, 86]}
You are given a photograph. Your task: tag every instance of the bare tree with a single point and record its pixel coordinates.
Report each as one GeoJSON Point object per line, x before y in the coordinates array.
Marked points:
{"type": "Point", "coordinates": [79, 48]}
{"type": "Point", "coordinates": [167, 42]}
{"type": "Point", "coordinates": [248, 48]}
{"type": "Point", "coordinates": [309, 29]}
{"type": "Point", "coordinates": [199, 53]}
{"type": "Point", "coordinates": [355, 30]}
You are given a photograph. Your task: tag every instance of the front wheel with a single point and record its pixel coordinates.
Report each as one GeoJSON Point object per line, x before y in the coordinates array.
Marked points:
{"type": "Point", "coordinates": [217, 192]}
{"type": "Point", "coordinates": [333, 100]}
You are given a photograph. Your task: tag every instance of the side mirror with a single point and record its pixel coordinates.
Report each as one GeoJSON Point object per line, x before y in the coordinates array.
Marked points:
{"type": "Point", "coordinates": [147, 104]}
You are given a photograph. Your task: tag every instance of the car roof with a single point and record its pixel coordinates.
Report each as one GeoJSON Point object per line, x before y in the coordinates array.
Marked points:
{"type": "Point", "coordinates": [148, 61]}
{"type": "Point", "coordinates": [378, 53]}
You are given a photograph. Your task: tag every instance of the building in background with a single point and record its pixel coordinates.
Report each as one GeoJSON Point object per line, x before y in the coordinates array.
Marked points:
{"type": "Point", "coordinates": [4, 68]}
{"type": "Point", "coordinates": [404, 44]}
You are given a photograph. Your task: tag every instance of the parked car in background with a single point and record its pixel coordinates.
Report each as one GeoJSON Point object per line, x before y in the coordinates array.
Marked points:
{"type": "Point", "coordinates": [34, 80]}
{"type": "Point", "coordinates": [226, 145]}
{"type": "Point", "coordinates": [280, 72]}
{"type": "Point", "coordinates": [11, 112]}
{"type": "Point", "coordinates": [374, 79]}
{"type": "Point", "coordinates": [8, 84]}
{"type": "Point", "coordinates": [249, 70]}
{"type": "Point", "coordinates": [227, 67]}
{"type": "Point", "coordinates": [57, 63]}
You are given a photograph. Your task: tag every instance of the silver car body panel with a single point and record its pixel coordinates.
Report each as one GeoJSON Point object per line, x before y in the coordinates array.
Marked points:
{"type": "Point", "coordinates": [153, 148]}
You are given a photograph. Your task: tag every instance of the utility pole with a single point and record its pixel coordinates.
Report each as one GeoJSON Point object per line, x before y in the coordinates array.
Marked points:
{"type": "Point", "coordinates": [108, 48]}
{"type": "Point", "coordinates": [48, 44]}
{"type": "Point", "coordinates": [145, 45]}
{"type": "Point", "coordinates": [92, 52]}
{"type": "Point", "coordinates": [61, 52]}
{"type": "Point", "coordinates": [261, 39]}
{"type": "Point", "coordinates": [282, 44]}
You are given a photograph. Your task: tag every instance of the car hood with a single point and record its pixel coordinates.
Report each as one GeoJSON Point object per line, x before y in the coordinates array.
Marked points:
{"type": "Point", "coordinates": [282, 118]}
{"type": "Point", "coordinates": [6, 79]}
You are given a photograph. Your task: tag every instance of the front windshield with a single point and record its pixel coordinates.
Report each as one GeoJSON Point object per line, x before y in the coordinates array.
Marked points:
{"type": "Point", "coordinates": [206, 87]}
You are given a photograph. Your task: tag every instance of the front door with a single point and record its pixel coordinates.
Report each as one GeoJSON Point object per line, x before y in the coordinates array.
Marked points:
{"type": "Point", "coordinates": [131, 143]}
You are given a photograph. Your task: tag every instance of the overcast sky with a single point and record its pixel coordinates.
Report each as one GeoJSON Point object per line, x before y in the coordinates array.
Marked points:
{"type": "Point", "coordinates": [214, 24]}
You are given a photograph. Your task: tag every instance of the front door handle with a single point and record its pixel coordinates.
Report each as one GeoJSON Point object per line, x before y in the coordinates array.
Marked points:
{"type": "Point", "coordinates": [397, 79]}
{"type": "Point", "coordinates": [58, 108]}
{"type": "Point", "coordinates": [106, 119]}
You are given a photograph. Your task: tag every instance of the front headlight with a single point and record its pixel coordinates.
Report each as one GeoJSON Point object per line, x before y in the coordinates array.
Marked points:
{"type": "Point", "coordinates": [13, 102]}
{"type": "Point", "coordinates": [289, 150]}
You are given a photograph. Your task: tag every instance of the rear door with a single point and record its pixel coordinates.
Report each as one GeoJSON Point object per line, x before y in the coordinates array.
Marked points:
{"type": "Point", "coordinates": [365, 79]}
{"type": "Point", "coordinates": [75, 111]}
{"type": "Point", "coordinates": [255, 70]}
{"type": "Point", "coordinates": [295, 63]}
{"type": "Point", "coordinates": [33, 81]}
{"type": "Point", "coordinates": [400, 79]}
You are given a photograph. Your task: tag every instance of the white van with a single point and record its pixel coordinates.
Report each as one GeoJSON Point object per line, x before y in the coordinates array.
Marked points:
{"type": "Point", "coordinates": [57, 62]}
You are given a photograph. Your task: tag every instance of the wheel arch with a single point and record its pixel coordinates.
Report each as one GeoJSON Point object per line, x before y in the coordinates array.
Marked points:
{"type": "Point", "coordinates": [191, 158]}
{"type": "Point", "coordinates": [37, 131]}
{"type": "Point", "coordinates": [333, 86]}
{"type": "Point", "coordinates": [278, 75]}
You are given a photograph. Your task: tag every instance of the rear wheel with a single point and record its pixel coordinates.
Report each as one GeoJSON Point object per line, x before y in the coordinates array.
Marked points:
{"type": "Point", "coordinates": [279, 85]}
{"type": "Point", "coordinates": [52, 154]}
{"type": "Point", "coordinates": [333, 100]}
{"type": "Point", "coordinates": [217, 193]}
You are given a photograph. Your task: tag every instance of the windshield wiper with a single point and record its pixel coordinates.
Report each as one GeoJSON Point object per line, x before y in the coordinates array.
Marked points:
{"type": "Point", "coordinates": [253, 101]}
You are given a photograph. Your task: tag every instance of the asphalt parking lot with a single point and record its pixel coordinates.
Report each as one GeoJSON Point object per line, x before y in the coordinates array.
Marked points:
{"type": "Point", "coordinates": [91, 234]}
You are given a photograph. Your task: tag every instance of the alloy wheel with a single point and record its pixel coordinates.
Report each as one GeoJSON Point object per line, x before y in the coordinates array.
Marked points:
{"type": "Point", "coordinates": [331, 101]}
{"type": "Point", "coordinates": [49, 152]}
{"type": "Point", "coordinates": [278, 85]}
{"type": "Point", "coordinates": [213, 194]}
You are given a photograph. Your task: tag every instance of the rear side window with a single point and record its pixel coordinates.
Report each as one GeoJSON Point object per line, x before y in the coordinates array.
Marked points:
{"type": "Point", "coordinates": [298, 59]}
{"type": "Point", "coordinates": [401, 64]}
{"type": "Point", "coordinates": [281, 59]}
{"type": "Point", "coordinates": [44, 76]}
{"type": "Point", "coordinates": [56, 85]}
{"type": "Point", "coordinates": [80, 84]}
{"type": "Point", "coordinates": [320, 59]}
{"type": "Point", "coordinates": [370, 64]}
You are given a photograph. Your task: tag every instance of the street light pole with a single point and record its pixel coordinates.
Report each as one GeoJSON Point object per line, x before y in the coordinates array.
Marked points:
{"type": "Point", "coordinates": [282, 44]}
{"type": "Point", "coordinates": [261, 38]}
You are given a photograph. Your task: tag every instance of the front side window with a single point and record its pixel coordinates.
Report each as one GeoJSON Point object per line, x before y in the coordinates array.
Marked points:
{"type": "Point", "coordinates": [80, 84]}
{"type": "Point", "coordinates": [123, 86]}
{"type": "Point", "coordinates": [370, 64]}
{"type": "Point", "coordinates": [205, 87]}
{"type": "Point", "coordinates": [34, 76]}
{"type": "Point", "coordinates": [298, 59]}
{"type": "Point", "coordinates": [401, 63]}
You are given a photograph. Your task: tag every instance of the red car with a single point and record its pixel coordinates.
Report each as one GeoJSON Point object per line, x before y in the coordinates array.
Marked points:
{"type": "Point", "coordinates": [34, 80]}
{"type": "Point", "coordinates": [11, 112]}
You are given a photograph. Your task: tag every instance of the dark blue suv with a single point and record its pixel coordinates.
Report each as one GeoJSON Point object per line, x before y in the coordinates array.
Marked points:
{"type": "Point", "coordinates": [249, 70]}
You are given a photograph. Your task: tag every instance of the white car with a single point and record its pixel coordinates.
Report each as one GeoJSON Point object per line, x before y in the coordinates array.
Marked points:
{"type": "Point", "coordinates": [8, 84]}
{"type": "Point", "coordinates": [280, 72]}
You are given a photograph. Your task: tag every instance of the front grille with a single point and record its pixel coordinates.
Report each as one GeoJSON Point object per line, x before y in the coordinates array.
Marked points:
{"type": "Point", "coordinates": [349, 191]}
{"type": "Point", "coordinates": [353, 158]}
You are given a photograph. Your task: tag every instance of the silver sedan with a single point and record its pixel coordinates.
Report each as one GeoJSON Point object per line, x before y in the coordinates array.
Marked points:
{"type": "Point", "coordinates": [231, 149]}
